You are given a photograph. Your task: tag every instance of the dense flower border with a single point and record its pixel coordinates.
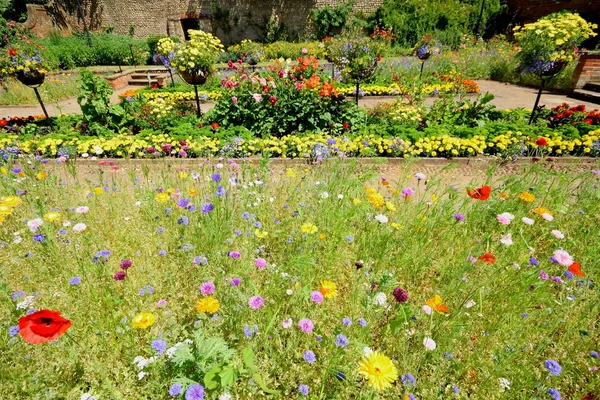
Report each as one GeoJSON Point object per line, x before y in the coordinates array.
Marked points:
{"type": "Point", "coordinates": [315, 145]}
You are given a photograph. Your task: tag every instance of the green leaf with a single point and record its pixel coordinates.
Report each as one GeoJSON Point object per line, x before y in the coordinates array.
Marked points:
{"type": "Point", "coordinates": [210, 378]}
{"type": "Point", "coordinates": [248, 357]}
{"type": "Point", "coordinates": [258, 378]}
{"type": "Point", "coordinates": [228, 376]}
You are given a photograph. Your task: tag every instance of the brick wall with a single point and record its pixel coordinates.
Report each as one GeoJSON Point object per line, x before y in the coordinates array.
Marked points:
{"type": "Point", "coordinates": [531, 10]}
{"type": "Point", "coordinates": [231, 20]}
{"type": "Point", "coordinates": [587, 70]}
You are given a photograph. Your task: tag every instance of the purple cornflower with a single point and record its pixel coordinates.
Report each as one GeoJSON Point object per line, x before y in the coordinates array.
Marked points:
{"type": "Point", "coordinates": [408, 379]}
{"type": "Point", "coordinates": [215, 177]}
{"type": "Point", "coordinates": [183, 202]}
{"type": "Point", "coordinates": [459, 217]}
{"type": "Point", "coordinates": [306, 325]}
{"type": "Point", "coordinates": [234, 254]}
{"type": "Point", "coordinates": [341, 341]}
{"type": "Point", "coordinates": [407, 192]}
{"type": "Point", "coordinates": [159, 345]}
{"type": "Point", "coordinates": [200, 260]}
{"type": "Point", "coordinates": [316, 296]}
{"type": "Point", "coordinates": [553, 367]}
{"type": "Point", "coordinates": [13, 330]}
{"type": "Point", "coordinates": [175, 389]}
{"type": "Point", "coordinates": [310, 357]}
{"type": "Point", "coordinates": [207, 288]}
{"type": "Point", "coordinates": [236, 281]}
{"type": "Point", "coordinates": [303, 389]}
{"type": "Point", "coordinates": [533, 261]}
{"type": "Point", "coordinates": [555, 394]}
{"type": "Point", "coordinates": [347, 321]}
{"type": "Point", "coordinates": [220, 191]}
{"type": "Point", "coordinates": [75, 280]}
{"type": "Point", "coordinates": [362, 322]}
{"type": "Point", "coordinates": [207, 207]}
{"type": "Point", "coordinates": [256, 302]}
{"type": "Point", "coordinates": [194, 392]}
{"type": "Point", "coordinates": [558, 280]}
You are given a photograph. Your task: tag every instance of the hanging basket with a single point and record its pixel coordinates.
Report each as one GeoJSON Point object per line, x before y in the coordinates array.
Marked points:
{"type": "Point", "coordinates": [194, 77]}
{"type": "Point", "coordinates": [556, 69]}
{"type": "Point", "coordinates": [31, 78]}
{"type": "Point", "coordinates": [424, 56]}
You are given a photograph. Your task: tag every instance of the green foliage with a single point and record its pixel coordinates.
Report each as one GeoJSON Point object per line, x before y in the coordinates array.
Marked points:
{"type": "Point", "coordinates": [94, 100]}
{"type": "Point", "coordinates": [329, 20]}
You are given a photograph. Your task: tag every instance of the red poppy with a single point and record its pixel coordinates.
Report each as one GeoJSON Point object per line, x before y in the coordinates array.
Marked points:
{"type": "Point", "coordinates": [42, 326]}
{"type": "Point", "coordinates": [487, 258]}
{"type": "Point", "coordinates": [575, 268]}
{"type": "Point", "coordinates": [214, 125]}
{"type": "Point", "coordinates": [541, 141]}
{"type": "Point", "coordinates": [482, 193]}
{"type": "Point", "coordinates": [3, 122]}
{"type": "Point", "coordinates": [12, 52]}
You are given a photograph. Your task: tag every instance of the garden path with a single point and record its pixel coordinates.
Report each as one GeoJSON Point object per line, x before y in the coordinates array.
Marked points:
{"type": "Point", "coordinates": [506, 96]}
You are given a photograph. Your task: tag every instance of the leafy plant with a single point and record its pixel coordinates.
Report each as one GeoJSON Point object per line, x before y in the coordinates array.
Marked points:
{"type": "Point", "coordinates": [94, 101]}
{"type": "Point", "coordinates": [329, 20]}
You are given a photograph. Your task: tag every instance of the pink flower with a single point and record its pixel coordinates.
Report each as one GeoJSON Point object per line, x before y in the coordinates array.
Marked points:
{"type": "Point", "coordinates": [256, 302]}
{"type": "Point", "coordinates": [287, 323]}
{"type": "Point", "coordinates": [527, 221]}
{"type": "Point", "coordinates": [547, 217]}
{"type": "Point", "coordinates": [316, 296]}
{"type": "Point", "coordinates": [429, 344]}
{"type": "Point", "coordinates": [299, 86]}
{"type": "Point", "coordinates": [558, 234]}
{"type": "Point", "coordinates": [62, 159]}
{"type": "Point", "coordinates": [420, 176]}
{"type": "Point", "coordinates": [207, 288]}
{"type": "Point", "coordinates": [306, 325]}
{"type": "Point", "coordinates": [304, 50]}
{"type": "Point", "coordinates": [260, 263]}
{"type": "Point", "coordinates": [234, 254]}
{"type": "Point", "coordinates": [596, 171]}
{"type": "Point", "coordinates": [407, 192]}
{"type": "Point", "coordinates": [563, 258]}
{"type": "Point", "coordinates": [427, 310]}
{"type": "Point", "coordinates": [234, 100]}
{"type": "Point", "coordinates": [505, 218]}
{"type": "Point", "coordinates": [82, 209]}
{"type": "Point", "coordinates": [543, 275]}
{"type": "Point", "coordinates": [161, 303]}
{"type": "Point", "coordinates": [257, 97]}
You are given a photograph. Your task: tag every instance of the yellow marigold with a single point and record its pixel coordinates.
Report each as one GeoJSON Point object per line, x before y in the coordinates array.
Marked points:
{"type": "Point", "coordinates": [328, 289]}
{"type": "Point", "coordinates": [42, 175]}
{"type": "Point", "coordinates": [376, 199]}
{"type": "Point", "coordinates": [193, 192]}
{"type": "Point", "coordinates": [162, 197]}
{"type": "Point", "coordinates": [309, 228]}
{"type": "Point", "coordinates": [379, 370]}
{"type": "Point", "coordinates": [541, 210]}
{"type": "Point", "coordinates": [143, 320]}
{"type": "Point", "coordinates": [208, 305]}
{"type": "Point", "coordinates": [52, 216]}
{"type": "Point", "coordinates": [527, 197]}
{"type": "Point", "coordinates": [98, 190]}
{"type": "Point", "coordinates": [11, 201]}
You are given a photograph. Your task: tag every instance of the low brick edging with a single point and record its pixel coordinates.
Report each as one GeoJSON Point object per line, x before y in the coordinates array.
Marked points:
{"type": "Point", "coordinates": [587, 70]}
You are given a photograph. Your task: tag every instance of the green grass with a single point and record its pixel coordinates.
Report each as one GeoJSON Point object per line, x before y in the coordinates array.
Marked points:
{"type": "Point", "coordinates": [422, 248]}
{"type": "Point", "coordinates": [56, 87]}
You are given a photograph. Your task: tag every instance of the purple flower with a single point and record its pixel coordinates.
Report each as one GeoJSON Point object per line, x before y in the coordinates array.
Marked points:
{"type": "Point", "coordinates": [558, 280]}
{"type": "Point", "coordinates": [524, 315]}
{"type": "Point", "coordinates": [408, 379]}
{"type": "Point", "coordinates": [310, 357]}
{"type": "Point", "coordinates": [234, 254]}
{"type": "Point", "coordinates": [183, 220]}
{"type": "Point", "coordinates": [555, 394]}
{"type": "Point", "coordinates": [126, 264]}
{"type": "Point", "coordinates": [75, 280]}
{"type": "Point", "coordinates": [347, 321]}
{"type": "Point", "coordinates": [220, 191]}
{"type": "Point", "coordinates": [400, 295]}
{"type": "Point", "coordinates": [200, 260]}
{"type": "Point", "coordinates": [175, 389]}
{"type": "Point", "coordinates": [215, 177]}
{"type": "Point", "coordinates": [260, 263]}
{"type": "Point", "coordinates": [553, 367]}
{"type": "Point", "coordinates": [119, 276]}
{"type": "Point", "coordinates": [543, 275]}
{"type": "Point", "coordinates": [13, 330]}
{"type": "Point", "coordinates": [533, 261]}
{"type": "Point", "coordinates": [236, 281]}
{"type": "Point", "coordinates": [183, 202]}
{"type": "Point", "coordinates": [362, 322]}
{"type": "Point", "coordinates": [162, 252]}
{"type": "Point", "coordinates": [159, 345]}
{"type": "Point", "coordinates": [594, 354]}
{"type": "Point", "coordinates": [207, 288]}
{"type": "Point", "coordinates": [256, 302]}
{"type": "Point", "coordinates": [207, 207]}
{"type": "Point", "coordinates": [341, 341]}
{"type": "Point", "coordinates": [194, 392]}
{"type": "Point", "coordinates": [316, 296]}
{"type": "Point", "coordinates": [303, 389]}
{"type": "Point", "coordinates": [455, 389]}
{"type": "Point", "coordinates": [459, 217]}
{"type": "Point", "coordinates": [407, 192]}
{"type": "Point", "coordinates": [569, 275]}
{"type": "Point", "coordinates": [40, 237]}
{"type": "Point", "coordinates": [306, 325]}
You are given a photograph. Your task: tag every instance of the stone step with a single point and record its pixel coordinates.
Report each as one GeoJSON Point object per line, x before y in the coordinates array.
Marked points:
{"type": "Point", "coordinates": [587, 95]}
{"type": "Point", "coordinates": [592, 86]}
{"type": "Point", "coordinates": [144, 76]}
{"type": "Point", "coordinates": [141, 82]}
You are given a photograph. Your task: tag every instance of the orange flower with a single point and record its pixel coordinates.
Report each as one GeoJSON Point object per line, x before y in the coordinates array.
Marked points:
{"type": "Point", "coordinates": [437, 305]}
{"type": "Point", "coordinates": [575, 268]}
{"type": "Point", "coordinates": [527, 197]}
{"type": "Point", "coordinates": [328, 90]}
{"type": "Point", "coordinates": [482, 193]}
{"type": "Point", "coordinates": [504, 195]}
{"type": "Point", "coordinates": [313, 82]}
{"type": "Point", "coordinates": [487, 258]}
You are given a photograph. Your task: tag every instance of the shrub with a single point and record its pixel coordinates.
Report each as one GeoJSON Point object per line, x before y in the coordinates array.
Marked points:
{"type": "Point", "coordinates": [329, 20]}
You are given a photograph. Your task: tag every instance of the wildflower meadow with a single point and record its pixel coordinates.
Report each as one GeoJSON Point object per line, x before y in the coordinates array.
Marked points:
{"type": "Point", "coordinates": [225, 279]}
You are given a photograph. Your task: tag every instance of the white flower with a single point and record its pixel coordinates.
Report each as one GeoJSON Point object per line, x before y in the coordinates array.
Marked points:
{"type": "Point", "coordinates": [527, 221]}
{"type": "Point", "coordinates": [558, 234]}
{"type": "Point", "coordinates": [225, 396]}
{"type": "Point", "coordinates": [429, 344]}
{"type": "Point", "coordinates": [382, 218]}
{"type": "Point", "coordinates": [340, 196]}
{"type": "Point", "coordinates": [427, 310]}
{"type": "Point", "coordinates": [34, 224]}
{"type": "Point", "coordinates": [506, 239]}
{"type": "Point", "coordinates": [66, 224]}
{"type": "Point", "coordinates": [420, 176]}
{"type": "Point", "coordinates": [289, 292]}
{"type": "Point", "coordinates": [98, 150]}
{"type": "Point", "coordinates": [26, 303]}
{"type": "Point", "coordinates": [219, 165]}
{"type": "Point", "coordinates": [138, 203]}
{"type": "Point", "coordinates": [80, 227]}
{"type": "Point", "coordinates": [82, 209]}
{"type": "Point", "coordinates": [85, 155]}
{"type": "Point", "coordinates": [325, 195]}
{"type": "Point", "coordinates": [504, 383]}
{"type": "Point", "coordinates": [380, 299]}
{"type": "Point", "coordinates": [87, 396]}
{"type": "Point", "coordinates": [367, 350]}
{"type": "Point", "coordinates": [287, 323]}
{"type": "Point", "coordinates": [141, 375]}
{"type": "Point", "coordinates": [547, 217]}
{"type": "Point", "coordinates": [470, 303]}
{"type": "Point", "coordinates": [17, 239]}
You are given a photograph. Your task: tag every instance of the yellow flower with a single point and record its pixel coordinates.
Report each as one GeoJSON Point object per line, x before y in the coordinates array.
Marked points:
{"type": "Point", "coordinates": [11, 201]}
{"type": "Point", "coordinates": [143, 320]}
{"type": "Point", "coordinates": [309, 228]}
{"type": "Point", "coordinates": [390, 206]}
{"type": "Point", "coordinates": [527, 197]}
{"type": "Point", "coordinates": [541, 210]}
{"type": "Point", "coordinates": [356, 201]}
{"type": "Point", "coordinates": [193, 192]}
{"type": "Point", "coordinates": [396, 225]}
{"type": "Point", "coordinates": [183, 175]}
{"type": "Point", "coordinates": [322, 236]}
{"type": "Point", "coordinates": [52, 216]}
{"type": "Point", "coordinates": [162, 197]}
{"type": "Point", "coordinates": [328, 289]}
{"type": "Point", "coordinates": [379, 370]}
{"type": "Point", "coordinates": [42, 174]}
{"type": "Point", "coordinates": [437, 304]}
{"type": "Point", "coordinates": [98, 190]}
{"type": "Point", "coordinates": [259, 234]}
{"type": "Point", "coordinates": [290, 173]}
{"type": "Point", "coordinates": [208, 305]}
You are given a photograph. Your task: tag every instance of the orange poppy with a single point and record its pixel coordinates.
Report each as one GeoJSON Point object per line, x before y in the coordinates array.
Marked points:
{"type": "Point", "coordinates": [42, 326]}
{"type": "Point", "coordinates": [437, 305]}
{"type": "Point", "coordinates": [487, 258]}
{"type": "Point", "coordinates": [482, 193]}
{"type": "Point", "coordinates": [313, 82]}
{"type": "Point", "coordinates": [575, 268]}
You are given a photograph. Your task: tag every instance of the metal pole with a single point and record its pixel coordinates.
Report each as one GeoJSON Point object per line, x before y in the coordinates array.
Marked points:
{"type": "Point", "coordinates": [332, 71]}
{"type": "Point", "coordinates": [478, 30]}
{"type": "Point", "coordinates": [132, 56]}
{"type": "Point", "coordinates": [422, 65]}
{"type": "Point", "coordinates": [537, 101]}
{"type": "Point", "coordinates": [85, 27]}
{"type": "Point", "coordinates": [41, 102]}
{"type": "Point", "coordinates": [172, 80]}
{"type": "Point", "coordinates": [199, 113]}
{"type": "Point", "coordinates": [357, 87]}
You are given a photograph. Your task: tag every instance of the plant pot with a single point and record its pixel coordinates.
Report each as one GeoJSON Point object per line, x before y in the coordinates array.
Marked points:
{"type": "Point", "coordinates": [194, 77]}
{"type": "Point", "coordinates": [424, 56]}
{"type": "Point", "coordinates": [31, 78]}
{"type": "Point", "coordinates": [555, 69]}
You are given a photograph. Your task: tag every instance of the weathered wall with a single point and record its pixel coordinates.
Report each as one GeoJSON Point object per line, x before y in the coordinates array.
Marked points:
{"type": "Point", "coordinates": [231, 20]}
{"type": "Point", "coordinates": [587, 71]}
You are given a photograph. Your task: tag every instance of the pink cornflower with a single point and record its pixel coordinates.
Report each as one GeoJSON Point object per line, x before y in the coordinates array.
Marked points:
{"type": "Point", "coordinates": [234, 254]}
{"type": "Point", "coordinates": [558, 234]}
{"type": "Point", "coordinates": [161, 303]}
{"type": "Point", "coordinates": [287, 323]}
{"type": "Point", "coordinates": [82, 209]}
{"type": "Point", "coordinates": [505, 218]}
{"type": "Point", "coordinates": [547, 217]}
{"type": "Point", "coordinates": [306, 325]}
{"type": "Point", "coordinates": [256, 302]}
{"type": "Point", "coordinates": [420, 176]}
{"type": "Point", "coordinates": [207, 288]}
{"type": "Point", "coordinates": [407, 192]}
{"type": "Point", "coordinates": [563, 258]}
{"type": "Point", "coordinates": [316, 296]}
{"type": "Point", "coordinates": [527, 221]}
{"type": "Point", "coordinates": [260, 263]}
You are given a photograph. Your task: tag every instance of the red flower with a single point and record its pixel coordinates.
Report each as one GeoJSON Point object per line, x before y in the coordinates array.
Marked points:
{"type": "Point", "coordinates": [42, 326]}
{"type": "Point", "coordinates": [575, 268]}
{"type": "Point", "coordinates": [346, 125]}
{"type": "Point", "coordinates": [487, 258]}
{"type": "Point", "coordinates": [482, 193]}
{"type": "Point", "coordinates": [3, 122]}
{"type": "Point", "coordinates": [541, 141]}
{"type": "Point", "coordinates": [273, 100]}
{"type": "Point", "coordinates": [12, 52]}
{"type": "Point", "coordinates": [214, 125]}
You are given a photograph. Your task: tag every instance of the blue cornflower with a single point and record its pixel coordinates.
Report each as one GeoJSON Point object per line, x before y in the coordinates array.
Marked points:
{"type": "Point", "coordinates": [350, 238]}
{"type": "Point", "coordinates": [237, 232]}
{"type": "Point", "coordinates": [160, 229]}
{"type": "Point", "coordinates": [303, 389]}
{"type": "Point", "coordinates": [341, 341]}
{"type": "Point", "coordinates": [248, 331]}
{"type": "Point", "coordinates": [408, 380]}
{"type": "Point", "coordinates": [183, 202]}
{"type": "Point", "coordinates": [159, 345]}
{"type": "Point", "coordinates": [524, 315]}
{"type": "Point", "coordinates": [62, 232]}
{"type": "Point", "coordinates": [257, 224]}
{"type": "Point", "coordinates": [207, 207]}
{"type": "Point", "coordinates": [362, 322]}
{"type": "Point", "coordinates": [183, 220]}
{"type": "Point", "coordinates": [13, 330]}
{"type": "Point", "coordinates": [246, 215]}
{"type": "Point", "coordinates": [533, 261]}
{"type": "Point", "coordinates": [455, 389]}
{"type": "Point", "coordinates": [553, 367]}
{"type": "Point", "coordinates": [103, 253]}
{"type": "Point", "coordinates": [40, 237]}
{"type": "Point", "coordinates": [168, 210]}
{"type": "Point", "coordinates": [594, 354]}
{"type": "Point", "coordinates": [310, 357]}
{"type": "Point", "coordinates": [75, 280]}
{"type": "Point", "coordinates": [175, 389]}
{"type": "Point", "coordinates": [17, 295]}
{"type": "Point", "coordinates": [555, 394]}
{"type": "Point", "coordinates": [220, 191]}
{"type": "Point", "coordinates": [340, 376]}
{"type": "Point", "coordinates": [194, 392]}
{"type": "Point", "coordinates": [200, 260]}
{"type": "Point", "coordinates": [215, 177]}
{"type": "Point", "coordinates": [192, 208]}
{"type": "Point", "coordinates": [162, 252]}
{"type": "Point", "coordinates": [569, 275]}
{"type": "Point", "coordinates": [347, 321]}
{"type": "Point", "coordinates": [319, 338]}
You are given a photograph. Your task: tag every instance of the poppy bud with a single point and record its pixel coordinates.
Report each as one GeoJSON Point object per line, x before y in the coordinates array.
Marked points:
{"type": "Point", "coordinates": [400, 295]}
{"type": "Point", "coordinates": [358, 265]}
